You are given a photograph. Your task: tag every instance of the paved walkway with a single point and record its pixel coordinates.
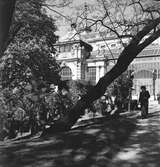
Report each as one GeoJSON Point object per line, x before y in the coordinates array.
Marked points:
{"type": "Point", "coordinates": [124, 142]}
{"type": "Point", "coordinates": [143, 147]}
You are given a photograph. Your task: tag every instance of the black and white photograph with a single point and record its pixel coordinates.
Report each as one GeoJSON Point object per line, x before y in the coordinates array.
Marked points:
{"type": "Point", "coordinates": [79, 83]}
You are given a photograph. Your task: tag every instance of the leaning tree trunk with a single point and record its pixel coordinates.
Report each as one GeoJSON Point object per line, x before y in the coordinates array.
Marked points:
{"type": "Point", "coordinates": [6, 12]}
{"type": "Point", "coordinates": [125, 58]}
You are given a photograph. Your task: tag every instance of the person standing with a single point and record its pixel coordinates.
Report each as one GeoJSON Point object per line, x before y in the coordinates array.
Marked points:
{"type": "Point", "coordinates": [144, 101]}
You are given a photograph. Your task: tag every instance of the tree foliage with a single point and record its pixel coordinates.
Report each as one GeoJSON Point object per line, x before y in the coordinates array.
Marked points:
{"type": "Point", "coordinates": [120, 87]}
{"type": "Point", "coordinates": [29, 48]}
{"type": "Point", "coordinates": [30, 21]}
{"type": "Point", "coordinates": [28, 67]}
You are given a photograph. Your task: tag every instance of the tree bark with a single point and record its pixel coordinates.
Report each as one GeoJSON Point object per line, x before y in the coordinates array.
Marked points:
{"type": "Point", "coordinates": [6, 12]}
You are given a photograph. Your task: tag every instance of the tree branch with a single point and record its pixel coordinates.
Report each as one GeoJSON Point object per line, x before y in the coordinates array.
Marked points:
{"type": "Point", "coordinates": [149, 40]}
{"type": "Point", "coordinates": [60, 14]}
{"type": "Point", "coordinates": [125, 58]}
{"type": "Point", "coordinates": [148, 28]}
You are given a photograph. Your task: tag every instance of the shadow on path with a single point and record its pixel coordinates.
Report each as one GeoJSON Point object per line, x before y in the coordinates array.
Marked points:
{"type": "Point", "coordinates": [91, 146]}
{"type": "Point", "coordinates": [143, 148]}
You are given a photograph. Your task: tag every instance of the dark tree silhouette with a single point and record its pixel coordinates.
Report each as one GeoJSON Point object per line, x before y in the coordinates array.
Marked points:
{"type": "Point", "coordinates": [6, 12]}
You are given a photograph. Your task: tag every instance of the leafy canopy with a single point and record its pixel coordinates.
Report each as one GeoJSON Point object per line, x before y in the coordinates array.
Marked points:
{"type": "Point", "coordinates": [29, 47]}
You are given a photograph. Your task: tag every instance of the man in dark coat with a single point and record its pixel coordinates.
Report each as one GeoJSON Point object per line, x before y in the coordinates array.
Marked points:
{"type": "Point", "coordinates": [143, 99]}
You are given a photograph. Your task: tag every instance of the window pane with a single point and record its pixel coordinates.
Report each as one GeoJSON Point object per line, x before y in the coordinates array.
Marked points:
{"type": "Point", "coordinates": [91, 75]}
{"type": "Point", "coordinates": [66, 73]}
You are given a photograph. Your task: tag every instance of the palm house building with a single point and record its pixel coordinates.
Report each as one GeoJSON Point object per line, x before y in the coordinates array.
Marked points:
{"type": "Point", "coordinates": [91, 55]}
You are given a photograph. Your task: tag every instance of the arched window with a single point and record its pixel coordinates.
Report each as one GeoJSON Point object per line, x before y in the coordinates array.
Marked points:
{"type": "Point", "coordinates": [66, 73]}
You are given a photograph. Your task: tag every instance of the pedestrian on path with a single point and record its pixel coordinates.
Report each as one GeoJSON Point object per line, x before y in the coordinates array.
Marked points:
{"type": "Point", "coordinates": [143, 100]}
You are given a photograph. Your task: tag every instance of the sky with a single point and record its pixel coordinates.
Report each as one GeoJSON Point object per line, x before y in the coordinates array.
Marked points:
{"type": "Point", "coordinates": [62, 24]}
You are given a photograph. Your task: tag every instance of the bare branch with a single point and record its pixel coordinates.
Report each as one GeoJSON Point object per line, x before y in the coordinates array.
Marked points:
{"type": "Point", "coordinates": [149, 40]}
{"type": "Point", "coordinates": [60, 14]}
{"type": "Point", "coordinates": [146, 30]}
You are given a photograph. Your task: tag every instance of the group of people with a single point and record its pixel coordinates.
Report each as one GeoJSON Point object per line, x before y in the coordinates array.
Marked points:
{"type": "Point", "coordinates": [106, 105]}
{"type": "Point", "coordinates": [143, 101]}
